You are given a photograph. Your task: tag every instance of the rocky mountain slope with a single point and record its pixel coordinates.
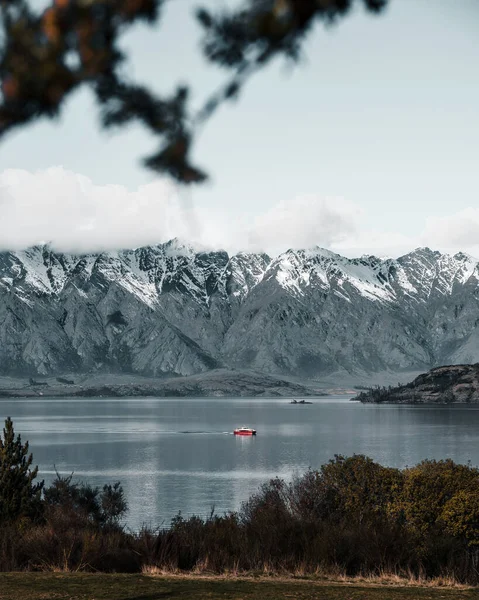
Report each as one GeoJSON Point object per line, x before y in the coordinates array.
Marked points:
{"type": "Point", "coordinates": [444, 385]}
{"type": "Point", "coordinates": [169, 309]}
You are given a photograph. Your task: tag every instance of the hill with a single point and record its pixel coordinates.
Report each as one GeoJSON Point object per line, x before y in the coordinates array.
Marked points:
{"type": "Point", "coordinates": [452, 384]}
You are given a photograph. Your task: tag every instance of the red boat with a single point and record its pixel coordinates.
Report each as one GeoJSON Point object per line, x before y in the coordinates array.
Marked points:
{"type": "Point", "coordinates": [244, 431]}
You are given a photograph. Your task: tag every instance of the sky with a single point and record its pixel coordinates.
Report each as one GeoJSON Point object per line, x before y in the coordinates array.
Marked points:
{"type": "Point", "coordinates": [369, 145]}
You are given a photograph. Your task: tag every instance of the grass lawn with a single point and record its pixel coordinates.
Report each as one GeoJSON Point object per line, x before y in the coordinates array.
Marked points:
{"type": "Point", "coordinates": [81, 586]}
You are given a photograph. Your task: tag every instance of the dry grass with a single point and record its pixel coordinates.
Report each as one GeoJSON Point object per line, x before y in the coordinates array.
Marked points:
{"type": "Point", "coordinates": [320, 577]}
{"type": "Point", "coordinates": [83, 586]}
{"type": "Point", "coordinates": [394, 579]}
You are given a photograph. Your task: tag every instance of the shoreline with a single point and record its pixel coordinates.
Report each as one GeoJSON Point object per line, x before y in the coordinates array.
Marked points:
{"type": "Point", "coordinates": [219, 383]}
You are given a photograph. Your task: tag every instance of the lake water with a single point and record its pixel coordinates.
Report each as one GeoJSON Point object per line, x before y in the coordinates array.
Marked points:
{"type": "Point", "coordinates": [180, 454]}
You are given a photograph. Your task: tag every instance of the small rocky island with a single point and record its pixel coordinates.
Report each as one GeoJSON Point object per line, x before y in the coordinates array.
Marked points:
{"type": "Point", "coordinates": [300, 402]}
{"type": "Point", "coordinates": [451, 384]}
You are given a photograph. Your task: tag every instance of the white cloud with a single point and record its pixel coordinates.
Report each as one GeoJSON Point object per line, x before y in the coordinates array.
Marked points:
{"type": "Point", "coordinates": [460, 229]}
{"type": "Point", "coordinates": [302, 222]}
{"type": "Point", "coordinates": [378, 243]}
{"type": "Point", "coordinates": [71, 213]}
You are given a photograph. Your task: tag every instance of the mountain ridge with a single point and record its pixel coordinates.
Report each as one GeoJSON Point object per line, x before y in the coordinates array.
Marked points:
{"type": "Point", "coordinates": [174, 309]}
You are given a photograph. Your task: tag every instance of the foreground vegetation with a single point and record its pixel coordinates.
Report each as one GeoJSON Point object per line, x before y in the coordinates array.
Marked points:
{"type": "Point", "coordinates": [352, 517]}
{"type": "Point", "coordinates": [81, 586]}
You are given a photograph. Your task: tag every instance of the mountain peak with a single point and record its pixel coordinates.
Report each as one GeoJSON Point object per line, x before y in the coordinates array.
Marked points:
{"type": "Point", "coordinates": [423, 252]}
{"type": "Point", "coordinates": [174, 308]}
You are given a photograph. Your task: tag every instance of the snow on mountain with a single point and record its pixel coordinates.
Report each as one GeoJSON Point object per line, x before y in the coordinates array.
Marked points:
{"type": "Point", "coordinates": [172, 308]}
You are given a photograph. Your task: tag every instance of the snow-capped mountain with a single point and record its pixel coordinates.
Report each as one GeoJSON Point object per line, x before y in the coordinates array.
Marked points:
{"type": "Point", "coordinates": [171, 309]}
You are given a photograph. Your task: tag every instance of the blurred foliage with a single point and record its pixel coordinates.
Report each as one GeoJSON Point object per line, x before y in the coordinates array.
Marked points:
{"type": "Point", "coordinates": [46, 56]}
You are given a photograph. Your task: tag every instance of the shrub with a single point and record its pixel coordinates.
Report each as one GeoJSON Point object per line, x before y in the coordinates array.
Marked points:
{"type": "Point", "coordinates": [352, 516]}
{"type": "Point", "coordinates": [81, 503]}
{"type": "Point", "coordinates": [428, 488]}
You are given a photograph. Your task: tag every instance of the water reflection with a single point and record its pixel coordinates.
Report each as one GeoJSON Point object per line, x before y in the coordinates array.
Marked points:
{"type": "Point", "coordinates": [173, 455]}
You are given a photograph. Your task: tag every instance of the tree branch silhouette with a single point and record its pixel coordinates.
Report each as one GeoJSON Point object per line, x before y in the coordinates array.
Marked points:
{"type": "Point", "coordinates": [45, 56]}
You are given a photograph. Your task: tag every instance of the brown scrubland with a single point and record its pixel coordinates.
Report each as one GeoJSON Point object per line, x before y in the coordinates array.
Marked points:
{"type": "Point", "coordinates": [350, 518]}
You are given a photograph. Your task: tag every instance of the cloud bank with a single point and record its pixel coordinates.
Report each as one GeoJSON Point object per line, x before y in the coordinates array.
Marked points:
{"type": "Point", "coordinates": [71, 213]}
{"type": "Point", "coordinates": [303, 222]}
{"type": "Point", "coordinates": [459, 229]}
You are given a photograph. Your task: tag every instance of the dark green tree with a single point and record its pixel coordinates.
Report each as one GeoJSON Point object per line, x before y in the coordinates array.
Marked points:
{"type": "Point", "coordinates": [45, 56]}
{"type": "Point", "coordinates": [113, 504]}
{"type": "Point", "coordinates": [20, 497]}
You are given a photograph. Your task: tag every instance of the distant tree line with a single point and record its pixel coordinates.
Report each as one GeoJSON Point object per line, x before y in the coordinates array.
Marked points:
{"type": "Point", "coordinates": [441, 385]}
{"type": "Point", "coordinates": [351, 516]}
{"type": "Point", "coordinates": [376, 394]}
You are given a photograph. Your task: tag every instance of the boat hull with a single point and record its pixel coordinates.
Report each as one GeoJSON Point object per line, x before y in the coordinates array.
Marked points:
{"type": "Point", "coordinates": [249, 433]}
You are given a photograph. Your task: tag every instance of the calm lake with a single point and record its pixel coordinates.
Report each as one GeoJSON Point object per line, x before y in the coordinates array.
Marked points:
{"type": "Point", "coordinates": [180, 454]}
